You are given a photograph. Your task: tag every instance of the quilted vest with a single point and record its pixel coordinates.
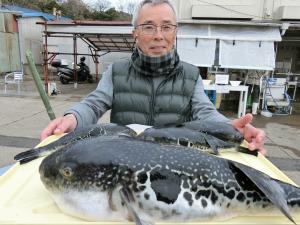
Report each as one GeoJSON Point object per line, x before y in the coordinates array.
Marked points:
{"type": "Point", "coordinates": [136, 101]}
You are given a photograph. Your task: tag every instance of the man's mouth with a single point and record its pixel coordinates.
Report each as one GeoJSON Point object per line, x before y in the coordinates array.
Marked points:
{"type": "Point", "coordinates": [157, 47]}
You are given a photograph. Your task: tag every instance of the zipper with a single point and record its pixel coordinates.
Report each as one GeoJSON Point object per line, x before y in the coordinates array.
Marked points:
{"type": "Point", "coordinates": [152, 101]}
{"type": "Point", "coordinates": [151, 120]}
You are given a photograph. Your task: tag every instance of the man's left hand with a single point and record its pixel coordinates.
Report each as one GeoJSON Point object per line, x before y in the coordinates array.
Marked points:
{"type": "Point", "coordinates": [254, 136]}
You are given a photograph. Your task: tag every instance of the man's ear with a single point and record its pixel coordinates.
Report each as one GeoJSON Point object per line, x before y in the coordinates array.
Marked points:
{"type": "Point", "coordinates": [134, 34]}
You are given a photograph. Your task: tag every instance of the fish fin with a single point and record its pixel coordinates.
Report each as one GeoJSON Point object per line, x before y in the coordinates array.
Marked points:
{"type": "Point", "coordinates": [175, 135]}
{"type": "Point", "coordinates": [88, 132]}
{"type": "Point", "coordinates": [216, 143]}
{"type": "Point", "coordinates": [111, 204]}
{"type": "Point", "coordinates": [128, 199]}
{"type": "Point", "coordinates": [272, 190]}
{"type": "Point", "coordinates": [224, 131]}
{"type": "Point", "coordinates": [27, 156]}
{"type": "Point", "coordinates": [27, 160]}
{"type": "Point", "coordinates": [31, 154]}
{"type": "Point", "coordinates": [213, 145]}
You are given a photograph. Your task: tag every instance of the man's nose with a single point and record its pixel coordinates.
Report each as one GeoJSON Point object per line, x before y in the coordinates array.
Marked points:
{"type": "Point", "coordinates": [158, 33]}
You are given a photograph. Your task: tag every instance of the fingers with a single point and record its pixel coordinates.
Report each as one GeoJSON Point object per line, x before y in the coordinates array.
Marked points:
{"type": "Point", "coordinates": [59, 125]}
{"type": "Point", "coordinates": [49, 130]}
{"type": "Point", "coordinates": [255, 138]}
{"type": "Point", "coordinates": [240, 123]}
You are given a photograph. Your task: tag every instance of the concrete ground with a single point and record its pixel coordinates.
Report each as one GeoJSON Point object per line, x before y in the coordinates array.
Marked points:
{"type": "Point", "coordinates": [23, 116]}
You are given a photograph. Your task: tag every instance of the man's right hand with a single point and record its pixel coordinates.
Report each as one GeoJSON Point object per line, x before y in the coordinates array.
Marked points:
{"type": "Point", "coordinates": [60, 125]}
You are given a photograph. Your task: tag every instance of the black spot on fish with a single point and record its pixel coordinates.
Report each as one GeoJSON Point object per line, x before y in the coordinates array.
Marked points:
{"type": "Point", "coordinates": [204, 203]}
{"type": "Point", "coordinates": [185, 184]}
{"type": "Point", "coordinates": [206, 184]}
{"type": "Point", "coordinates": [248, 202]}
{"type": "Point", "coordinates": [256, 197]}
{"type": "Point", "coordinates": [213, 197]}
{"type": "Point", "coordinates": [161, 180]}
{"type": "Point", "coordinates": [194, 188]}
{"type": "Point", "coordinates": [134, 187]}
{"type": "Point", "coordinates": [147, 196]}
{"type": "Point", "coordinates": [142, 187]}
{"type": "Point", "coordinates": [241, 197]}
{"type": "Point", "coordinates": [205, 193]}
{"type": "Point", "coordinates": [228, 205]}
{"type": "Point", "coordinates": [142, 177]}
{"type": "Point", "coordinates": [188, 197]}
{"type": "Point", "coordinates": [230, 194]}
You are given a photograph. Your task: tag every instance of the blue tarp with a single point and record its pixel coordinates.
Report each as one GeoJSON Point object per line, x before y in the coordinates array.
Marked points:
{"type": "Point", "coordinates": [25, 12]}
{"type": "Point", "coordinates": [4, 169]}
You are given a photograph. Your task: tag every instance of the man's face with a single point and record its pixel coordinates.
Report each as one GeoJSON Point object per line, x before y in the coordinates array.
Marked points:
{"type": "Point", "coordinates": [152, 40]}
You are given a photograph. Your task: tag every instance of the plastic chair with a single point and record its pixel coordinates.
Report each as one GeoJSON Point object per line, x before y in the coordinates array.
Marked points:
{"type": "Point", "coordinates": [13, 78]}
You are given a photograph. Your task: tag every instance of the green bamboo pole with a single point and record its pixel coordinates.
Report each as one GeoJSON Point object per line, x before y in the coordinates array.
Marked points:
{"type": "Point", "coordinates": [39, 85]}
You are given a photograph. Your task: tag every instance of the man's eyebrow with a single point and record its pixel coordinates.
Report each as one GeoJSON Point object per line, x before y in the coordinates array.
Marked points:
{"type": "Point", "coordinates": [148, 22]}
{"type": "Point", "coordinates": [163, 22]}
{"type": "Point", "coordinates": [167, 21]}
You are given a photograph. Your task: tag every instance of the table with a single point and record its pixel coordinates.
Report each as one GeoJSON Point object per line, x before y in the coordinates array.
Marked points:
{"type": "Point", "coordinates": [227, 88]}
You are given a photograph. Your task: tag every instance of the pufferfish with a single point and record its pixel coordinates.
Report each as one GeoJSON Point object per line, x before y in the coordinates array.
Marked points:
{"type": "Point", "coordinates": [111, 177]}
{"type": "Point", "coordinates": [108, 172]}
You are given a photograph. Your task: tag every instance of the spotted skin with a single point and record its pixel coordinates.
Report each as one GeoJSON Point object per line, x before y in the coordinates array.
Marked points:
{"type": "Point", "coordinates": [166, 182]}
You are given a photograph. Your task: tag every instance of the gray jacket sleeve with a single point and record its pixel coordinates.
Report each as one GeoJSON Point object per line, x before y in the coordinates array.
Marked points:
{"type": "Point", "coordinates": [93, 106]}
{"type": "Point", "coordinates": [202, 107]}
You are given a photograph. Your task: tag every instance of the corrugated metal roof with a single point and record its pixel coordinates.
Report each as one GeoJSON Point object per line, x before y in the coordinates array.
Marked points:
{"type": "Point", "coordinates": [88, 22]}
{"type": "Point", "coordinates": [25, 12]}
{"type": "Point", "coordinates": [109, 36]}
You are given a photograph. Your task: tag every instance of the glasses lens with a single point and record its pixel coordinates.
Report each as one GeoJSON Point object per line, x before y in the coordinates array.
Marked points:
{"type": "Point", "coordinates": [148, 29]}
{"type": "Point", "coordinates": [168, 28]}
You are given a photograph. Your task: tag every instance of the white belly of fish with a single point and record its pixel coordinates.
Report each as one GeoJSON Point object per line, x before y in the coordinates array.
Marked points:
{"type": "Point", "coordinates": [94, 206]}
{"type": "Point", "coordinates": [89, 205]}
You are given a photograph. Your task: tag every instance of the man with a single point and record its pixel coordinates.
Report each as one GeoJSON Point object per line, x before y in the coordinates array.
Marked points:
{"type": "Point", "coordinates": [153, 87]}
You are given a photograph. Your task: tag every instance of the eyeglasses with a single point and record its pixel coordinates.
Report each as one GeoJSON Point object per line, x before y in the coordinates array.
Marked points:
{"type": "Point", "coordinates": [150, 29]}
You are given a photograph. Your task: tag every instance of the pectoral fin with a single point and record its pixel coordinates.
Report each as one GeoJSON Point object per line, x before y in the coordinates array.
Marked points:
{"type": "Point", "coordinates": [272, 190]}
{"type": "Point", "coordinates": [128, 200]}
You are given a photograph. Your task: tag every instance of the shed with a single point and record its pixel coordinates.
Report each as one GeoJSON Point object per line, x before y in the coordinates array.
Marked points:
{"type": "Point", "coordinates": [9, 39]}
{"type": "Point", "coordinates": [29, 34]}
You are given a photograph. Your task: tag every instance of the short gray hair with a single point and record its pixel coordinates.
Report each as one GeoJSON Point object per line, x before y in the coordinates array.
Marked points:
{"type": "Point", "coordinates": [153, 3]}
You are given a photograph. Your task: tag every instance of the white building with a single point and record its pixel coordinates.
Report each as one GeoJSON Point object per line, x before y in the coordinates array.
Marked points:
{"type": "Point", "coordinates": [243, 31]}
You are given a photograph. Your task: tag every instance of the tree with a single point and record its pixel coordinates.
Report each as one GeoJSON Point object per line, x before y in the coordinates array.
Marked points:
{"type": "Point", "coordinates": [75, 9]}
{"type": "Point", "coordinates": [101, 5]}
{"type": "Point", "coordinates": [130, 7]}
{"type": "Point", "coordinates": [121, 5]}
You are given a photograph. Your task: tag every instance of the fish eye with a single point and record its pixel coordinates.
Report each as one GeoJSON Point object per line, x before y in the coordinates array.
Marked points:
{"type": "Point", "coordinates": [67, 172]}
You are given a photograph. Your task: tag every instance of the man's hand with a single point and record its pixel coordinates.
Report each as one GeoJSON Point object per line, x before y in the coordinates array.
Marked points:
{"type": "Point", "coordinates": [60, 125]}
{"type": "Point", "coordinates": [254, 136]}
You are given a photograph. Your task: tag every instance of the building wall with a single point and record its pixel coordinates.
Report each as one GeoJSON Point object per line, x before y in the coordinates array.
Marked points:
{"type": "Point", "coordinates": [31, 39]}
{"type": "Point", "coordinates": [238, 9]}
{"type": "Point", "coordinates": [9, 47]}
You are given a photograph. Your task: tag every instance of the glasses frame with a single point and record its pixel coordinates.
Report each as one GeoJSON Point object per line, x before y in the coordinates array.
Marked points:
{"type": "Point", "coordinates": [144, 24]}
